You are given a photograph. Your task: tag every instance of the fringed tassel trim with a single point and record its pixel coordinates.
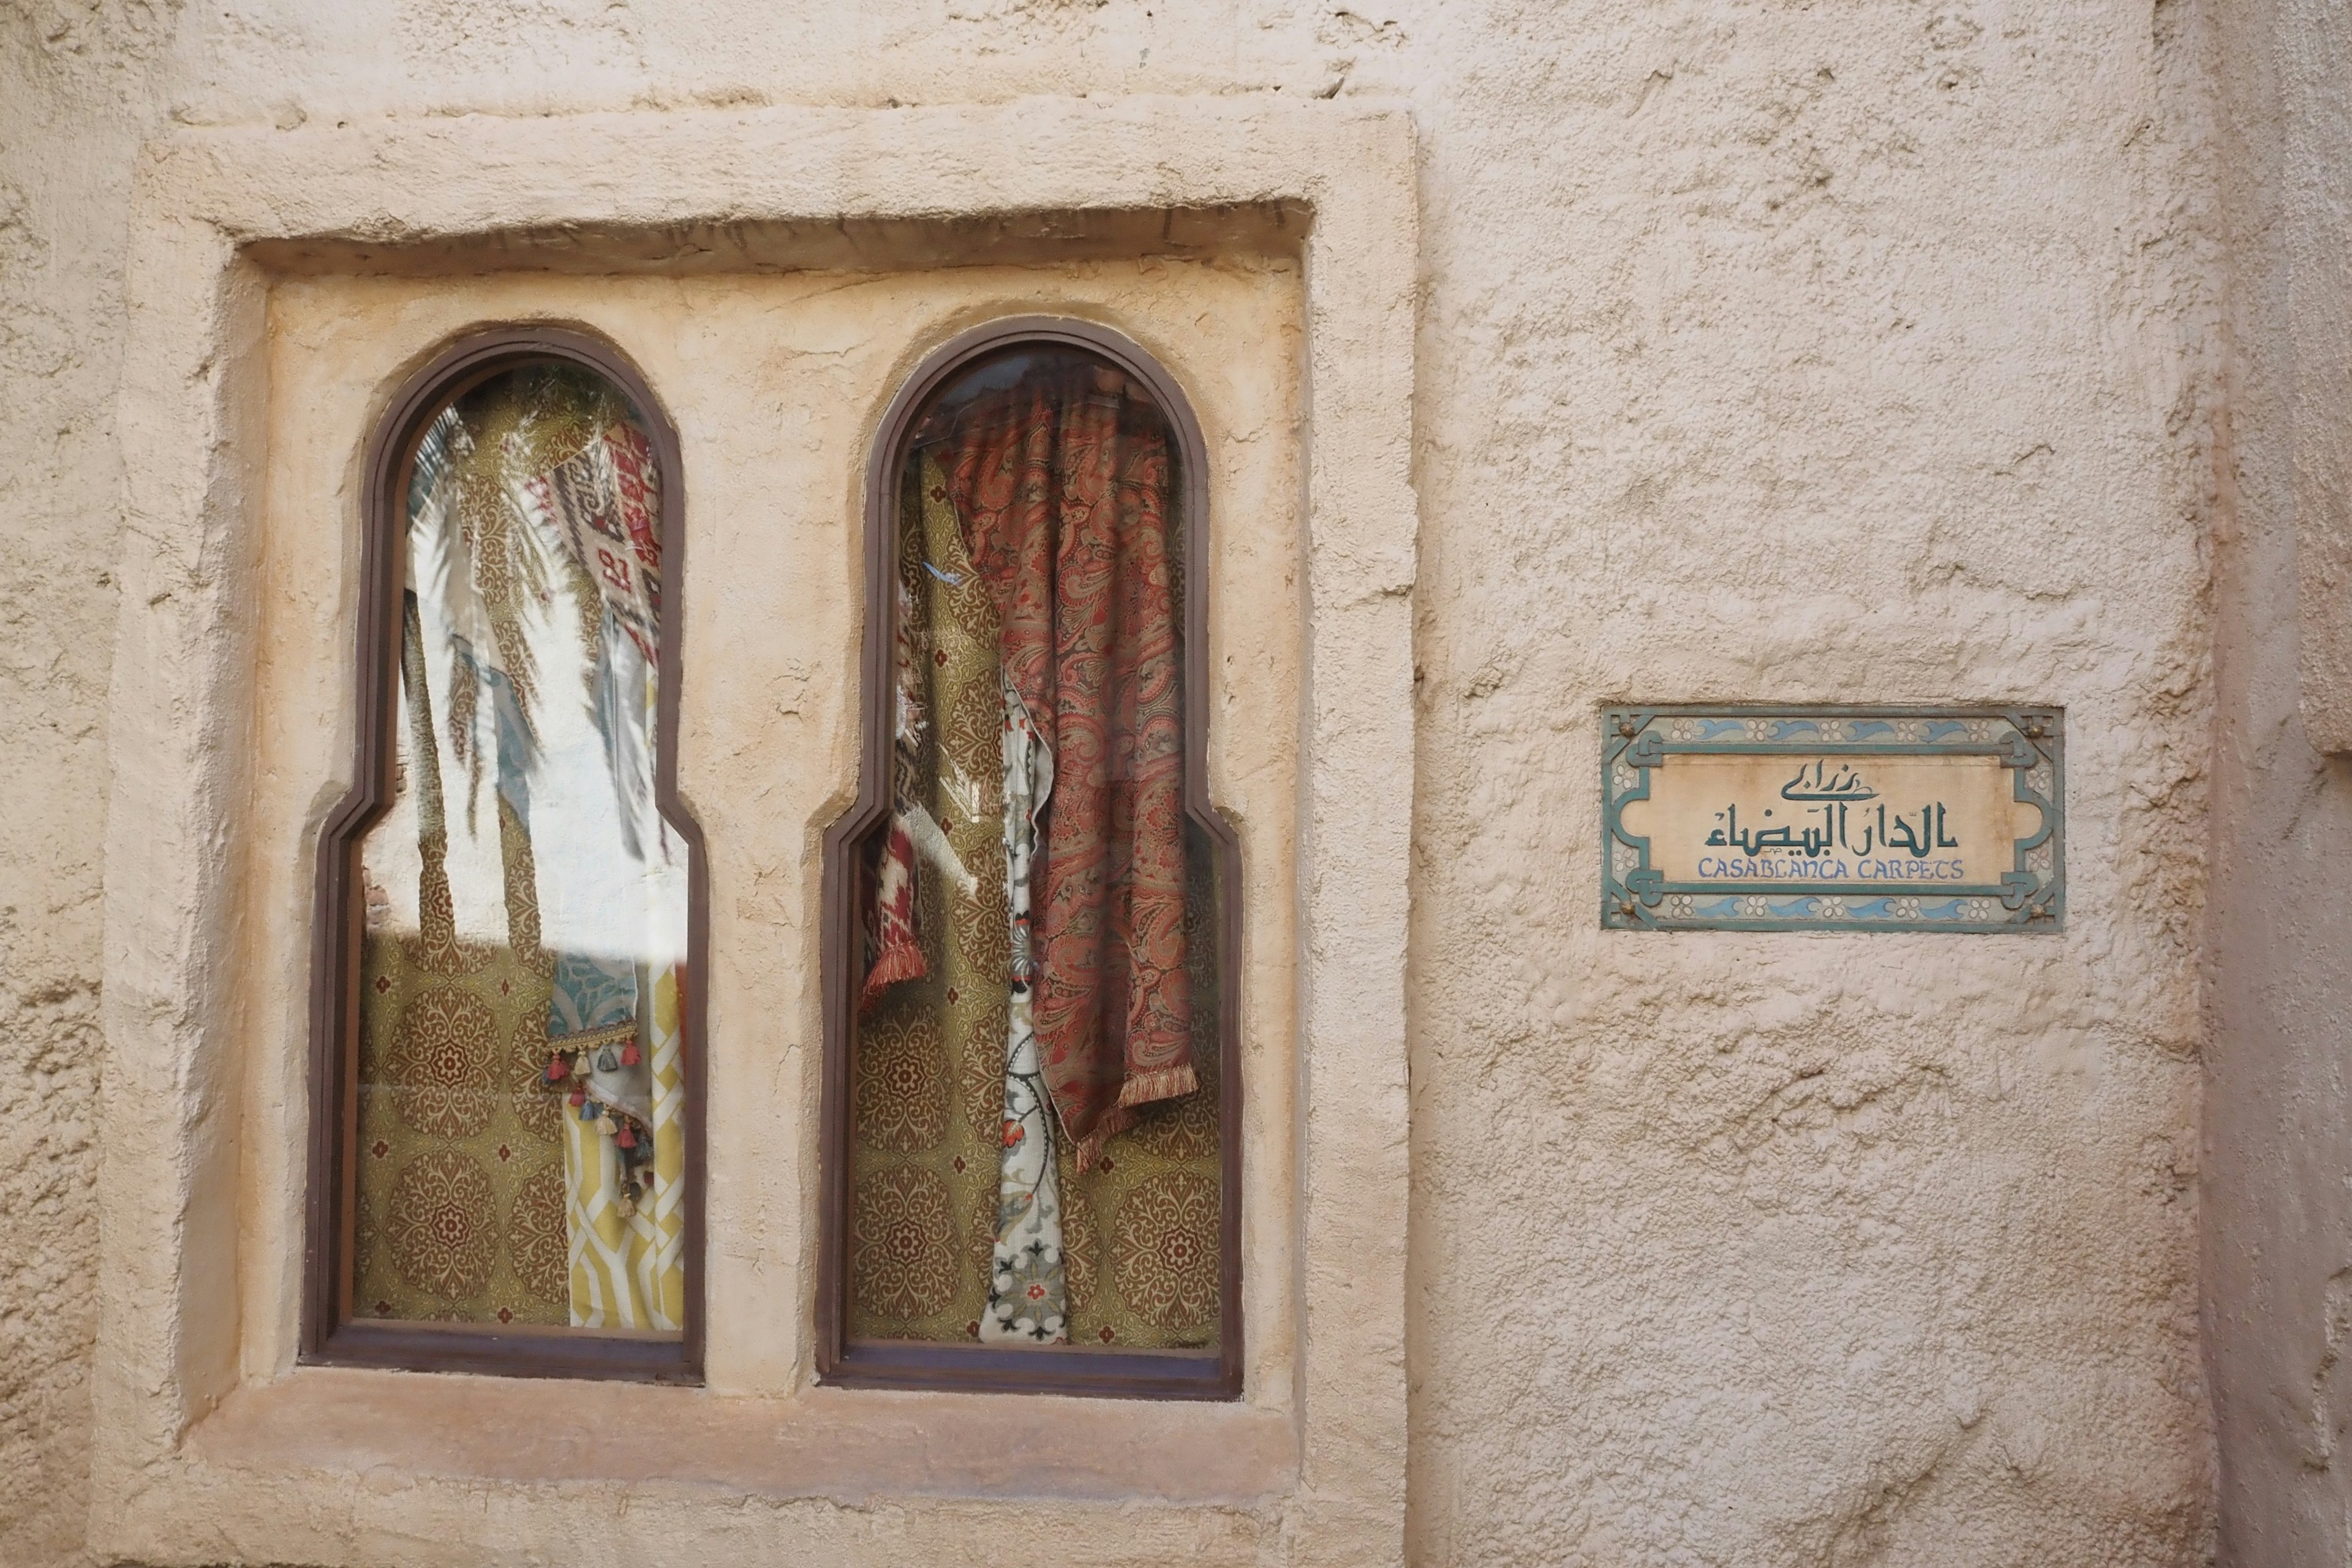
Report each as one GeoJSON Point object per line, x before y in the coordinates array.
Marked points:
{"type": "Point", "coordinates": [1163, 1083]}
{"type": "Point", "coordinates": [1142, 1088]}
{"type": "Point", "coordinates": [903, 962]}
{"type": "Point", "coordinates": [568, 1067]}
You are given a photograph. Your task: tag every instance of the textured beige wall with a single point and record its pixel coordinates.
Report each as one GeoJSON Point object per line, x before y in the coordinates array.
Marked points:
{"type": "Point", "coordinates": [2277, 1256]}
{"type": "Point", "coordinates": [1859, 358]}
{"type": "Point", "coordinates": [77, 88]}
{"type": "Point", "coordinates": [1845, 354]}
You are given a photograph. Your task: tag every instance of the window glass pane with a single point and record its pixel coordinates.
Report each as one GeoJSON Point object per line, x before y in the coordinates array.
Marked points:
{"type": "Point", "coordinates": [521, 1143]}
{"type": "Point", "coordinates": [1036, 1156]}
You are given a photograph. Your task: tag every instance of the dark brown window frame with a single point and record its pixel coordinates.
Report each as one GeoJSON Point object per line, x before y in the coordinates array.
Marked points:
{"type": "Point", "coordinates": [901, 1363]}
{"type": "Point", "coordinates": [330, 1335]}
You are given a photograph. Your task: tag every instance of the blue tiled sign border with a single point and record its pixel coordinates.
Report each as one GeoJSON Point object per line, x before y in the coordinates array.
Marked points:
{"type": "Point", "coordinates": [2029, 900]}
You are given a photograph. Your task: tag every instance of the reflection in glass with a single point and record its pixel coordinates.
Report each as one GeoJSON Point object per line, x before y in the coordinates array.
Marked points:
{"type": "Point", "coordinates": [1036, 1156]}
{"type": "Point", "coordinates": [520, 1148]}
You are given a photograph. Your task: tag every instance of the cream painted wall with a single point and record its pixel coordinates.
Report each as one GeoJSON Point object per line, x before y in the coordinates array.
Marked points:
{"type": "Point", "coordinates": [77, 91]}
{"type": "Point", "coordinates": [2277, 1254]}
{"type": "Point", "coordinates": [1853, 353]}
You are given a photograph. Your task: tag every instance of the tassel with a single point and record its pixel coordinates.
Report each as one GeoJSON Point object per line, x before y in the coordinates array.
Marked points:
{"type": "Point", "coordinates": [578, 1095]}
{"type": "Point", "coordinates": [606, 1062]}
{"type": "Point", "coordinates": [590, 1111]}
{"type": "Point", "coordinates": [629, 1054]}
{"type": "Point", "coordinates": [556, 1069]}
{"type": "Point", "coordinates": [605, 1124]}
{"type": "Point", "coordinates": [627, 1136]}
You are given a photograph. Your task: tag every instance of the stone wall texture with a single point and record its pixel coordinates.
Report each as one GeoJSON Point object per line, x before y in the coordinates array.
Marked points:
{"type": "Point", "coordinates": [1883, 351]}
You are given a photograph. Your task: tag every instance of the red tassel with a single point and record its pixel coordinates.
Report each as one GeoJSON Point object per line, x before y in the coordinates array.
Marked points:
{"type": "Point", "coordinates": [579, 1097]}
{"type": "Point", "coordinates": [557, 1071]}
{"type": "Point", "coordinates": [903, 962]}
{"type": "Point", "coordinates": [627, 1137]}
{"type": "Point", "coordinates": [629, 1054]}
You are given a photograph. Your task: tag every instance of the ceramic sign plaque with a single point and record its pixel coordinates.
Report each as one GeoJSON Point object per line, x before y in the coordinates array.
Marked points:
{"type": "Point", "coordinates": [1731, 819]}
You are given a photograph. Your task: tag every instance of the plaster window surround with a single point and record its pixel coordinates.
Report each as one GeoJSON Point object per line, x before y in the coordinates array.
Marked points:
{"type": "Point", "coordinates": [777, 274]}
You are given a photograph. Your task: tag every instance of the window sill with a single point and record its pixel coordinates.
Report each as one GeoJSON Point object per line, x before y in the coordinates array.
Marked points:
{"type": "Point", "coordinates": [841, 1445]}
{"type": "Point", "coordinates": [508, 1353]}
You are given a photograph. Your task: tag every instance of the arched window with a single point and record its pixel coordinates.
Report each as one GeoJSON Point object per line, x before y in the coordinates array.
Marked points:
{"type": "Point", "coordinates": [505, 1154]}
{"type": "Point", "coordinates": [1032, 1097]}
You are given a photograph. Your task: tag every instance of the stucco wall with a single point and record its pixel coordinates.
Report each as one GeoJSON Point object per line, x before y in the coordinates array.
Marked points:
{"type": "Point", "coordinates": [2277, 1255]}
{"type": "Point", "coordinates": [77, 88]}
{"type": "Point", "coordinates": [1857, 360]}
{"type": "Point", "coordinates": [1851, 353]}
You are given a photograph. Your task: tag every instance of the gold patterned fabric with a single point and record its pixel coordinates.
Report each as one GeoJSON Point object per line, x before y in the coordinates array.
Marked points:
{"type": "Point", "coordinates": [462, 1187]}
{"type": "Point", "coordinates": [929, 1092]}
{"type": "Point", "coordinates": [1140, 1229]}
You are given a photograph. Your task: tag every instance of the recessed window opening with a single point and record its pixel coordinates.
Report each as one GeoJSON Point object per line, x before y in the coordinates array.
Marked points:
{"type": "Point", "coordinates": [509, 901]}
{"type": "Point", "coordinates": [1030, 1136]}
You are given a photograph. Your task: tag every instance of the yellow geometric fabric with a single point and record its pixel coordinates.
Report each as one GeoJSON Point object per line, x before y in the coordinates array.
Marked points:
{"type": "Point", "coordinates": [628, 1271]}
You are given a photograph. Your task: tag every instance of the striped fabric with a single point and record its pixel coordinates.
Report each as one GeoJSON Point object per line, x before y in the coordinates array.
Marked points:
{"type": "Point", "coordinates": [628, 1271]}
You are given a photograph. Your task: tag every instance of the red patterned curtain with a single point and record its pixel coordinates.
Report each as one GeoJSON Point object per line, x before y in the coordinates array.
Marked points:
{"type": "Point", "coordinates": [1062, 485]}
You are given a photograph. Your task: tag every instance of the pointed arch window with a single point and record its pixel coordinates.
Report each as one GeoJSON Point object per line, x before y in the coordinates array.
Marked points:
{"type": "Point", "coordinates": [1031, 1107]}
{"type": "Point", "coordinates": [506, 1125]}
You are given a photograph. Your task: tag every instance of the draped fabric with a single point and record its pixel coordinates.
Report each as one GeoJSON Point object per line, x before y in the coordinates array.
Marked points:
{"type": "Point", "coordinates": [1061, 485]}
{"type": "Point", "coordinates": [969, 1216]}
{"type": "Point", "coordinates": [521, 1085]}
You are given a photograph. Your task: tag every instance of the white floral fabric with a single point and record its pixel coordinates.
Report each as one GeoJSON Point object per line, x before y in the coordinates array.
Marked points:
{"type": "Point", "coordinates": [1028, 1292]}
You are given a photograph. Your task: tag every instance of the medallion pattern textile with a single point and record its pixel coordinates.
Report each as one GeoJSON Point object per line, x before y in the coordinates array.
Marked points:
{"type": "Point", "coordinates": [537, 1179]}
{"type": "Point", "coordinates": [461, 1188]}
{"type": "Point", "coordinates": [1141, 1232]}
{"type": "Point", "coordinates": [1062, 485]}
{"type": "Point", "coordinates": [942, 1191]}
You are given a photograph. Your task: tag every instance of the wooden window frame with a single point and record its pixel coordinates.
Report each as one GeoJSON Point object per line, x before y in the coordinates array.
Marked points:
{"type": "Point", "coordinates": [330, 1335]}
{"type": "Point", "coordinates": [902, 1364]}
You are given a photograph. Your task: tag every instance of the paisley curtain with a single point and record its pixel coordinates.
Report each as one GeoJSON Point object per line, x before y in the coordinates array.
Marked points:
{"type": "Point", "coordinates": [520, 1080]}
{"type": "Point", "coordinates": [1000, 1192]}
{"type": "Point", "coordinates": [1060, 490]}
